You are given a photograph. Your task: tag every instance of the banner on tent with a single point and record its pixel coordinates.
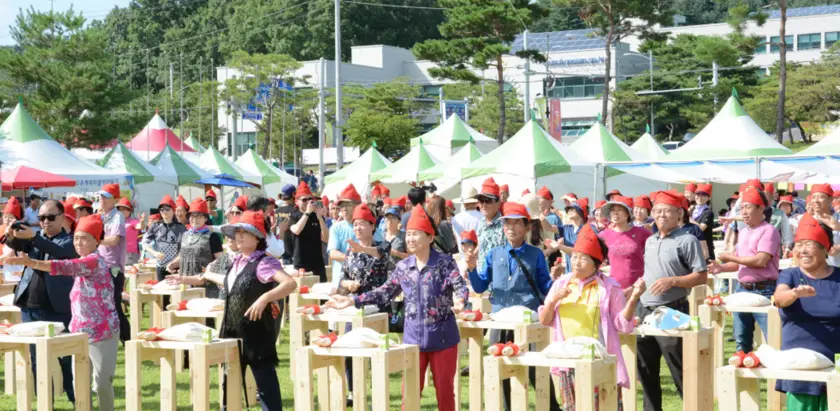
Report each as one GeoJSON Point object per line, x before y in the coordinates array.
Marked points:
{"type": "Point", "coordinates": [456, 107]}
{"type": "Point", "coordinates": [555, 123]}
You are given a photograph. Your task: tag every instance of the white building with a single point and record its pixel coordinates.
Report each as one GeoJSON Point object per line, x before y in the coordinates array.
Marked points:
{"type": "Point", "coordinates": [576, 62]}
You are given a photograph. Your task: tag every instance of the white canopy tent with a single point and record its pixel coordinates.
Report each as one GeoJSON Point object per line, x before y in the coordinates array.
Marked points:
{"type": "Point", "coordinates": [447, 138]}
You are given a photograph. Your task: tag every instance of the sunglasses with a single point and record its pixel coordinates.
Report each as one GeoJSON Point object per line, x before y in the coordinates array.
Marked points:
{"type": "Point", "coordinates": [483, 200]}
{"type": "Point", "coordinates": [165, 209]}
{"type": "Point", "coordinates": [47, 217]}
{"type": "Point", "coordinates": [235, 213]}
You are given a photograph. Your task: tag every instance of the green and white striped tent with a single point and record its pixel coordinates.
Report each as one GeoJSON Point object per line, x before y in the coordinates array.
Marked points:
{"type": "Point", "coordinates": [407, 169]}
{"type": "Point", "coordinates": [170, 162]}
{"type": "Point", "coordinates": [447, 174]}
{"type": "Point", "coordinates": [731, 134]}
{"type": "Point", "coordinates": [829, 145]}
{"type": "Point", "coordinates": [647, 146]}
{"type": "Point", "coordinates": [194, 144]}
{"type": "Point", "coordinates": [272, 178]}
{"type": "Point", "coordinates": [357, 173]}
{"type": "Point", "coordinates": [214, 162]}
{"type": "Point", "coordinates": [447, 138]}
{"type": "Point", "coordinates": [150, 182]}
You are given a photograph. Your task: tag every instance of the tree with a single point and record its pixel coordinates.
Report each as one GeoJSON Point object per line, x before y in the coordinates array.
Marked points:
{"type": "Point", "coordinates": [259, 84]}
{"type": "Point", "coordinates": [477, 36]}
{"type": "Point", "coordinates": [484, 108]}
{"type": "Point", "coordinates": [616, 19]}
{"type": "Point", "coordinates": [679, 62]}
{"type": "Point", "coordinates": [382, 113]}
{"type": "Point", "coordinates": [557, 19]}
{"type": "Point", "coordinates": [64, 70]}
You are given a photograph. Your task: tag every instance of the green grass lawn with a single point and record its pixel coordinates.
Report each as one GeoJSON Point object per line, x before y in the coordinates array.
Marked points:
{"type": "Point", "coordinates": [151, 392]}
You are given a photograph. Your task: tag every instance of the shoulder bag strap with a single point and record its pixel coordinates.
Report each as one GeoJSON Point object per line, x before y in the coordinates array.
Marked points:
{"type": "Point", "coordinates": [527, 274]}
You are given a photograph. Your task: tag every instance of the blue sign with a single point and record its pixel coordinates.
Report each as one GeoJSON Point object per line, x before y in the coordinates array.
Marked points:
{"type": "Point", "coordinates": [247, 115]}
{"type": "Point", "coordinates": [458, 108]}
{"type": "Point", "coordinates": [577, 62]}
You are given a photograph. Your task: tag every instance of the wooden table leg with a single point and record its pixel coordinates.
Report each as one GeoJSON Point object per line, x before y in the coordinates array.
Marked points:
{"type": "Point", "coordinates": [697, 372]}
{"type": "Point", "coordinates": [133, 376]}
{"type": "Point", "coordinates": [518, 387]}
{"type": "Point", "coordinates": [337, 377]}
{"type": "Point", "coordinates": [157, 309]}
{"type": "Point", "coordinates": [411, 374]}
{"type": "Point", "coordinates": [609, 391]}
{"type": "Point", "coordinates": [628, 351]}
{"type": "Point", "coordinates": [380, 393]}
{"type": "Point", "coordinates": [833, 388]}
{"type": "Point", "coordinates": [775, 400]}
{"type": "Point", "coordinates": [542, 383]}
{"type": "Point", "coordinates": [476, 352]}
{"type": "Point", "coordinates": [44, 365]}
{"type": "Point", "coordinates": [296, 336]}
{"type": "Point", "coordinates": [250, 386]}
{"type": "Point", "coordinates": [24, 386]}
{"type": "Point", "coordinates": [360, 367]}
{"type": "Point", "coordinates": [200, 372]}
{"type": "Point", "coordinates": [584, 386]}
{"type": "Point", "coordinates": [713, 318]}
{"type": "Point", "coordinates": [304, 392]}
{"type": "Point", "coordinates": [168, 383]}
{"type": "Point", "coordinates": [493, 394]}
{"type": "Point", "coordinates": [234, 385]}
{"type": "Point", "coordinates": [135, 308]}
{"type": "Point", "coordinates": [9, 373]}
{"type": "Point", "coordinates": [322, 374]}
{"type": "Point", "coordinates": [81, 380]}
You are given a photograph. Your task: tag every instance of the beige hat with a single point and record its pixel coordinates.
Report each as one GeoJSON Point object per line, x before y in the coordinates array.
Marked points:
{"type": "Point", "coordinates": [468, 196]}
{"type": "Point", "coordinates": [532, 203]}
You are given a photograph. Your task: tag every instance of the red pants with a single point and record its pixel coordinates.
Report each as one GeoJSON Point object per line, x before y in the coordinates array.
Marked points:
{"type": "Point", "coordinates": [444, 365]}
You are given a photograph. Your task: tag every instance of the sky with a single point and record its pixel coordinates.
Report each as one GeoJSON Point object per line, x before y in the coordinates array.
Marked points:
{"type": "Point", "coordinates": [92, 9]}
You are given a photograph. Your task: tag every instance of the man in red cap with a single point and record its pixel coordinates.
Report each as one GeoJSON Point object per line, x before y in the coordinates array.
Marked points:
{"type": "Point", "coordinates": [112, 248]}
{"type": "Point", "coordinates": [162, 240]}
{"type": "Point", "coordinates": [820, 208]}
{"type": "Point", "coordinates": [504, 193]}
{"type": "Point", "coordinates": [757, 262]}
{"type": "Point", "coordinates": [689, 192]}
{"type": "Point", "coordinates": [490, 233]}
{"type": "Point", "coordinates": [516, 274]}
{"type": "Point", "coordinates": [674, 264]}
{"type": "Point", "coordinates": [342, 230]}
{"type": "Point", "coordinates": [547, 211]}
{"type": "Point", "coordinates": [310, 233]}
{"type": "Point", "coordinates": [83, 208]}
{"type": "Point", "coordinates": [217, 215]}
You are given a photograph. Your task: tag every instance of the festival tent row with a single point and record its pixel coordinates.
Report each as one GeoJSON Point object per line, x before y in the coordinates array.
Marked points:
{"type": "Point", "coordinates": [446, 175]}
{"type": "Point", "coordinates": [24, 143]}
{"type": "Point", "coordinates": [447, 138]}
{"type": "Point", "coordinates": [400, 174]}
{"type": "Point", "coordinates": [357, 173]}
{"type": "Point", "coordinates": [194, 144]}
{"type": "Point", "coordinates": [647, 146]}
{"type": "Point", "coordinates": [271, 178]}
{"type": "Point", "coordinates": [155, 137]}
{"type": "Point", "coordinates": [150, 182]}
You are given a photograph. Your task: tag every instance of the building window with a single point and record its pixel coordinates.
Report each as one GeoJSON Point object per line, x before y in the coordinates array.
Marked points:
{"type": "Point", "coordinates": [774, 43]}
{"type": "Point", "coordinates": [431, 91]}
{"type": "Point", "coordinates": [808, 42]}
{"type": "Point", "coordinates": [244, 141]}
{"type": "Point", "coordinates": [578, 127]}
{"type": "Point", "coordinates": [761, 46]}
{"type": "Point", "coordinates": [576, 87]}
{"type": "Point", "coordinates": [831, 38]}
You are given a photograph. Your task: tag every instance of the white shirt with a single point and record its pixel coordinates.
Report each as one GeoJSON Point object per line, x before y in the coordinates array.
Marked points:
{"type": "Point", "coordinates": [31, 218]}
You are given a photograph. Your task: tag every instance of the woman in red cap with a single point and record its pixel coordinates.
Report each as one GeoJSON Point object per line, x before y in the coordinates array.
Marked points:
{"type": "Point", "coordinates": [182, 210]}
{"type": "Point", "coordinates": [429, 304]}
{"type": "Point", "coordinates": [587, 303]}
{"type": "Point", "coordinates": [132, 231]}
{"type": "Point", "coordinates": [252, 285]}
{"type": "Point", "coordinates": [199, 247]}
{"type": "Point", "coordinates": [641, 212]}
{"type": "Point", "coordinates": [626, 243]}
{"type": "Point", "coordinates": [92, 302]}
{"type": "Point", "coordinates": [807, 298]}
{"type": "Point", "coordinates": [445, 240]}
{"type": "Point", "coordinates": [12, 213]}
{"type": "Point", "coordinates": [163, 238]}
{"type": "Point", "coordinates": [703, 216]}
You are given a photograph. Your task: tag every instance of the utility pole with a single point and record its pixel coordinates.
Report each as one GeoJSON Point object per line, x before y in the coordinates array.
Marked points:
{"type": "Point", "coordinates": [527, 91]}
{"type": "Point", "coordinates": [171, 87]}
{"type": "Point", "coordinates": [715, 81]}
{"type": "Point", "coordinates": [442, 105]}
{"type": "Point", "coordinates": [650, 68]}
{"type": "Point", "coordinates": [321, 120]}
{"type": "Point", "coordinates": [200, 95]}
{"type": "Point", "coordinates": [339, 122]}
{"type": "Point", "coordinates": [181, 109]}
{"type": "Point", "coordinates": [212, 106]}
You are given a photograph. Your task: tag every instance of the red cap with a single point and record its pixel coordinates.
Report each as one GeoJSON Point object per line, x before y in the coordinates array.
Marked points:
{"type": "Point", "coordinates": [386, 192]}
{"type": "Point", "coordinates": [600, 203]}
{"type": "Point", "coordinates": [349, 194]}
{"type": "Point", "coordinates": [583, 203]}
{"type": "Point", "coordinates": [526, 191]}
{"type": "Point", "coordinates": [375, 191]}
{"type": "Point", "coordinates": [786, 199]}
{"type": "Point", "coordinates": [388, 201]}
{"type": "Point", "coordinates": [752, 196]}
{"type": "Point", "coordinates": [303, 190]}
{"type": "Point", "coordinates": [210, 193]}
{"type": "Point", "coordinates": [490, 188]}
{"type": "Point", "coordinates": [450, 205]}
{"type": "Point", "coordinates": [255, 219]}
{"type": "Point", "coordinates": [809, 229]}
{"type": "Point", "coordinates": [325, 200]}
{"type": "Point", "coordinates": [670, 197]}
{"type": "Point", "coordinates": [401, 201]}
{"type": "Point", "coordinates": [614, 192]}
{"type": "Point", "coordinates": [504, 188]}
{"type": "Point", "coordinates": [704, 188]}
{"type": "Point", "coordinates": [167, 201]}
{"type": "Point", "coordinates": [627, 202]}
{"type": "Point", "coordinates": [545, 193]}
{"type": "Point", "coordinates": [754, 182]}
{"type": "Point", "coordinates": [241, 203]}
{"type": "Point", "coordinates": [182, 202]}
{"type": "Point", "coordinates": [13, 207]}
{"type": "Point", "coordinates": [91, 224]}
{"type": "Point", "coordinates": [769, 187]}
{"type": "Point", "coordinates": [822, 188]}
{"type": "Point", "coordinates": [154, 217]}
{"type": "Point", "coordinates": [198, 205]}
{"type": "Point", "coordinates": [515, 210]}
{"type": "Point", "coordinates": [111, 189]}
{"type": "Point", "coordinates": [469, 235]}
{"type": "Point", "coordinates": [587, 243]}
{"type": "Point", "coordinates": [83, 203]}
{"type": "Point", "coordinates": [125, 202]}
{"type": "Point", "coordinates": [362, 211]}
{"type": "Point", "coordinates": [68, 211]}
{"type": "Point", "coordinates": [691, 188]}
{"type": "Point", "coordinates": [643, 201]}
{"type": "Point", "coordinates": [420, 221]}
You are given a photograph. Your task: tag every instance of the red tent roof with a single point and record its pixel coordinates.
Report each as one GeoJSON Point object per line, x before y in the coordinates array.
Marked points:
{"type": "Point", "coordinates": [155, 136]}
{"type": "Point", "coordinates": [27, 177]}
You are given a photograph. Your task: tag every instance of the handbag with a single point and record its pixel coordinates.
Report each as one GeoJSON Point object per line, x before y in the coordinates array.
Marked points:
{"type": "Point", "coordinates": [537, 293]}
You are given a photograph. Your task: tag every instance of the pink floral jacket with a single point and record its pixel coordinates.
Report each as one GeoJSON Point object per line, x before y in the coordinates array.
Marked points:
{"type": "Point", "coordinates": [92, 303]}
{"type": "Point", "coordinates": [612, 303]}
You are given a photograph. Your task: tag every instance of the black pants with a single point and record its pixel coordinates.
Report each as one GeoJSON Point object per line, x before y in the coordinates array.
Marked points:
{"type": "Point", "coordinates": [650, 351]}
{"type": "Point", "coordinates": [507, 336]}
{"type": "Point", "coordinates": [119, 284]}
{"type": "Point", "coordinates": [268, 386]}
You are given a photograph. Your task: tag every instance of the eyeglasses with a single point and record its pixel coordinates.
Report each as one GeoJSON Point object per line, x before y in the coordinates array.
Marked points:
{"type": "Point", "coordinates": [165, 209]}
{"type": "Point", "coordinates": [47, 217]}
{"type": "Point", "coordinates": [484, 200]}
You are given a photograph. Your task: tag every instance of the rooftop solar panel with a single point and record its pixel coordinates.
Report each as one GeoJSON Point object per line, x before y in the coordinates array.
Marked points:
{"type": "Point", "coordinates": [568, 40]}
{"type": "Point", "coordinates": [807, 11]}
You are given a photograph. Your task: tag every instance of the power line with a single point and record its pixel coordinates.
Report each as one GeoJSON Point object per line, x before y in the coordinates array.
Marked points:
{"type": "Point", "coordinates": [396, 6]}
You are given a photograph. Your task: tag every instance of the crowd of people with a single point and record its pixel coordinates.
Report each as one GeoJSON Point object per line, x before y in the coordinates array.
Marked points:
{"type": "Point", "coordinates": [587, 271]}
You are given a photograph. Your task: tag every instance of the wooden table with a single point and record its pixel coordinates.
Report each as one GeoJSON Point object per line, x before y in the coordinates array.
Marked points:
{"type": "Point", "coordinates": [308, 280]}
{"type": "Point", "coordinates": [141, 277]}
{"type": "Point", "coordinates": [312, 360]}
{"type": "Point", "coordinates": [202, 357]}
{"type": "Point", "coordinates": [47, 352]}
{"type": "Point", "coordinates": [738, 388]}
{"type": "Point", "coordinates": [589, 374]}
{"type": "Point", "coordinates": [317, 325]}
{"type": "Point", "coordinates": [473, 332]}
{"type": "Point", "coordinates": [480, 302]}
{"type": "Point", "coordinates": [155, 298]}
{"type": "Point", "coordinates": [698, 366]}
{"type": "Point", "coordinates": [713, 317]}
{"type": "Point", "coordinates": [297, 300]}
{"type": "Point", "coordinates": [11, 314]}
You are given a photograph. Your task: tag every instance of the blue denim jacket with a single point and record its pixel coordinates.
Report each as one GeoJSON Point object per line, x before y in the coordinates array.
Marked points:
{"type": "Point", "coordinates": [506, 281]}
{"type": "Point", "coordinates": [429, 320]}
